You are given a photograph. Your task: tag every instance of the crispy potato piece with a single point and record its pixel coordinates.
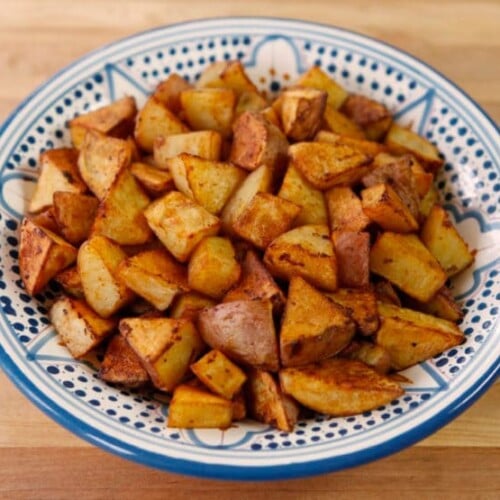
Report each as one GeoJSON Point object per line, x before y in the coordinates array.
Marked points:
{"type": "Point", "coordinates": [209, 109]}
{"type": "Point", "coordinates": [168, 92]}
{"type": "Point", "coordinates": [98, 260]}
{"type": "Point", "coordinates": [271, 116]}
{"type": "Point", "coordinates": [442, 239]}
{"type": "Point", "coordinates": [360, 305]}
{"type": "Point", "coordinates": [208, 182]}
{"type": "Point", "coordinates": [385, 207]}
{"type": "Point", "coordinates": [79, 327]}
{"type": "Point", "coordinates": [101, 160]}
{"type": "Point", "coordinates": [42, 255]}
{"type": "Point", "coordinates": [155, 276]}
{"type": "Point", "coordinates": [180, 223]}
{"type": "Point", "coordinates": [325, 165]}
{"type": "Point", "coordinates": [369, 148]}
{"type": "Point", "coordinates": [345, 212]}
{"type": "Point", "coordinates": [405, 261]}
{"type": "Point", "coordinates": [385, 292]}
{"type": "Point", "coordinates": [114, 120]}
{"type": "Point", "coordinates": [442, 305]}
{"type": "Point", "coordinates": [188, 305]}
{"type": "Point", "coordinates": [121, 365]}
{"type": "Point", "coordinates": [256, 284]}
{"type": "Point", "coordinates": [249, 101]}
{"type": "Point", "coordinates": [371, 115]}
{"type": "Point", "coordinates": [71, 282]}
{"type": "Point", "coordinates": [239, 407]}
{"type": "Point", "coordinates": [268, 404]}
{"type": "Point", "coordinates": [219, 374]}
{"type": "Point", "coordinates": [411, 337]}
{"type": "Point", "coordinates": [316, 78]}
{"type": "Point", "coordinates": [428, 201]}
{"type": "Point", "coordinates": [156, 119]}
{"type": "Point", "coordinates": [257, 142]}
{"type": "Point", "coordinates": [301, 112]}
{"type": "Point", "coordinates": [339, 387]}
{"type": "Point", "coordinates": [120, 215]}
{"type": "Point", "coordinates": [402, 140]}
{"type": "Point", "coordinates": [297, 190]}
{"type": "Point", "coordinates": [338, 123]}
{"type": "Point", "coordinates": [242, 330]}
{"type": "Point", "coordinates": [192, 407]}
{"type": "Point", "coordinates": [59, 172]}
{"type": "Point", "coordinates": [352, 251]}
{"type": "Point", "coordinates": [74, 213]}
{"type": "Point", "coordinates": [154, 180]}
{"type": "Point", "coordinates": [423, 180]}
{"type": "Point", "coordinates": [46, 219]}
{"type": "Point", "coordinates": [165, 346]}
{"type": "Point", "coordinates": [204, 143]}
{"type": "Point", "coordinates": [313, 327]}
{"type": "Point", "coordinates": [259, 181]}
{"type": "Point", "coordinates": [213, 268]}
{"type": "Point", "coordinates": [265, 218]}
{"type": "Point", "coordinates": [306, 252]}
{"type": "Point", "coordinates": [373, 355]}
{"type": "Point", "coordinates": [228, 75]}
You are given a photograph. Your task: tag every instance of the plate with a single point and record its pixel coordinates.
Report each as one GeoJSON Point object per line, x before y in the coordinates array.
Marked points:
{"type": "Point", "coordinates": [132, 424]}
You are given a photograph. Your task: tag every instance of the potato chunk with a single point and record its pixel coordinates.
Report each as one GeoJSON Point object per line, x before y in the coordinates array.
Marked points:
{"type": "Point", "coordinates": [442, 305]}
{"type": "Point", "coordinates": [219, 374]}
{"type": "Point", "coordinates": [155, 276]}
{"type": "Point", "coordinates": [442, 239]}
{"type": "Point", "coordinates": [268, 404]}
{"type": "Point", "coordinates": [306, 252]}
{"type": "Point", "coordinates": [339, 387]}
{"type": "Point", "coordinates": [338, 123]}
{"type": "Point", "coordinates": [313, 327]}
{"type": "Point", "coordinates": [228, 75]}
{"type": "Point", "coordinates": [373, 355]}
{"type": "Point", "coordinates": [154, 180]}
{"type": "Point", "coordinates": [189, 304]}
{"type": "Point", "coordinates": [42, 255]}
{"type": "Point", "coordinates": [352, 251]}
{"type": "Point", "coordinates": [345, 212]}
{"type": "Point", "coordinates": [411, 337]}
{"type": "Point", "coordinates": [213, 268]}
{"type": "Point", "coordinates": [180, 223]}
{"type": "Point", "coordinates": [243, 331]}
{"type": "Point", "coordinates": [325, 165]}
{"type": "Point", "coordinates": [204, 143]}
{"type": "Point", "coordinates": [368, 148]}
{"type": "Point", "coordinates": [404, 261]}
{"type": "Point", "coordinates": [71, 282]}
{"type": "Point", "coordinates": [165, 346]}
{"type": "Point", "coordinates": [316, 78]}
{"type": "Point", "coordinates": [59, 172]}
{"type": "Point", "coordinates": [168, 92]}
{"type": "Point", "coordinates": [79, 327]}
{"type": "Point", "coordinates": [192, 407]}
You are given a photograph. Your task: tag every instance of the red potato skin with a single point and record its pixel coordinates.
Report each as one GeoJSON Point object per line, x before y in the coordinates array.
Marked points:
{"type": "Point", "coordinates": [244, 331]}
{"type": "Point", "coordinates": [353, 265]}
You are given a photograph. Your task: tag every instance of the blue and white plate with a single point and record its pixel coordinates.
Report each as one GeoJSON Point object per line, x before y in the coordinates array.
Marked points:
{"type": "Point", "coordinates": [274, 52]}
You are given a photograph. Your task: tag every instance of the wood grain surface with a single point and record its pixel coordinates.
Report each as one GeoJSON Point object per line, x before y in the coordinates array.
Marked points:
{"type": "Point", "coordinates": [39, 459]}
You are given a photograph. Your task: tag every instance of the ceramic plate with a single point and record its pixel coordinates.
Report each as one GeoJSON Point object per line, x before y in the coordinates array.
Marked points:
{"type": "Point", "coordinates": [132, 424]}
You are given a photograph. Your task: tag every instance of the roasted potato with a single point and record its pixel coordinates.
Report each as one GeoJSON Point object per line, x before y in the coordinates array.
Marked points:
{"type": "Point", "coordinates": [204, 143]}
{"type": "Point", "coordinates": [338, 123]}
{"type": "Point", "coordinates": [188, 305]}
{"type": "Point", "coordinates": [442, 305]}
{"type": "Point", "coordinates": [371, 354]}
{"type": "Point", "coordinates": [352, 252]}
{"type": "Point", "coordinates": [46, 219]}
{"type": "Point", "coordinates": [316, 78]}
{"type": "Point", "coordinates": [71, 282]}
{"type": "Point", "coordinates": [345, 212]}
{"type": "Point", "coordinates": [227, 75]}
{"type": "Point", "coordinates": [168, 92]}
{"type": "Point", "coordinates": [154, 180]}
{"type": "Point", "coordinates": [368, 148]}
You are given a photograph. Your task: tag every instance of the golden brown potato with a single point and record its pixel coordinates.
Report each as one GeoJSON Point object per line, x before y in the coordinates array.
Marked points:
{"type": "Point", "coordinates": [155, 276]}
{"type": "Point", "coordinates": [228, 75]}
{"type": "Point", "coordinates": [121, 365]}
{"type": "Point", "coordinates": [338, 123]}
{"type": "Point", "coordinates": [368, 148]}
{"type": "Point", "coordinates": [74, 213]}
{"type": "Point", "coordinates": [239, 407]}
{"type": "Point", "coordinates": [306, 252]}
{"type": "Point", "coordinates": [313, 327]}
{"type": "Point", "coordinates": [204, 143]}
{"type": "Point", "coordinates": [209, 109]}
{"type": "Point", "coordinates": [156, 119]}
{"type": "Point", "coordinates": [219, 374]}
{"type": "Point", "coordinates": [46, 219]}
{"type": "Point", "coordinates": [442, 239]}
{"type": "Point", "coordinates": [58, 172]}
{"type": "Point", "coordinates": [423, 180]}
{"type": "Point", "coordinates": [301, 112]}
{"type": "Point", "coordinates": [411, 337]}
{"type": "Point", "coordinates": [180, 223]}
{"type": "Point", "coordinates": [352, 252]}
{"type": "Point", "coordinates": [256, 284]}
{"type": "Point", "coordinates": [325, 165]}
{"type": "Point", "coordinates": [98, 261]}
{"type": "Point", "coordinates": [257, 142]}
{"type": "Point", "coordinates": [71, 283]}
{"type": "Point", "coordinates": [371, 354]}
{"type": "Point", "coordinates": [249, 101]}
{"type": "Point", "coordinates": [428, 201]}
{"type": "Point", "coordinates": [268, 404]}
{"type": "Point", "coordinates": [168, 92]}
{"type": "Point", "coordinates": [213, 268]}
{"type": "Point", "coordinates": [297, 190]}
{"type": "Point", "coordinates": [165, 346]}
{"type": "Point", "coordinates": [42, 255]}
{"type": "Point", "coordinates": [265, 218]}
{"type": "Point", "coordinates": [345, 212]}
{"type": "Point", "coordinates": [405, 262]}
{"type": "Point", "coordinates": [316, 78]}
{"type": "Point", "coordinates": [385, 292]}
{"type": "Point", "coordinates": [188, 305]}
{"type": "Point", "coordinates": [154, 180]}
{"type": "Point", "coordinates": [192, 407]}
{"type": "Point", "coordinates": [339, 387]}
{"type": "Point", "coordinates": [442, 305]}
{"type": "Point", "coordinates": [79, 327]}
{"type": "Point", "coordinates": [242, 330]}
{"type": "Point", "coordinates": [114, 120]}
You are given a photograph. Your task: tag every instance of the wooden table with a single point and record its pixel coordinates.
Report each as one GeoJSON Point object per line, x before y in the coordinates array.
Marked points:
{"type": "Point", "coordinates": [39, 459]}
